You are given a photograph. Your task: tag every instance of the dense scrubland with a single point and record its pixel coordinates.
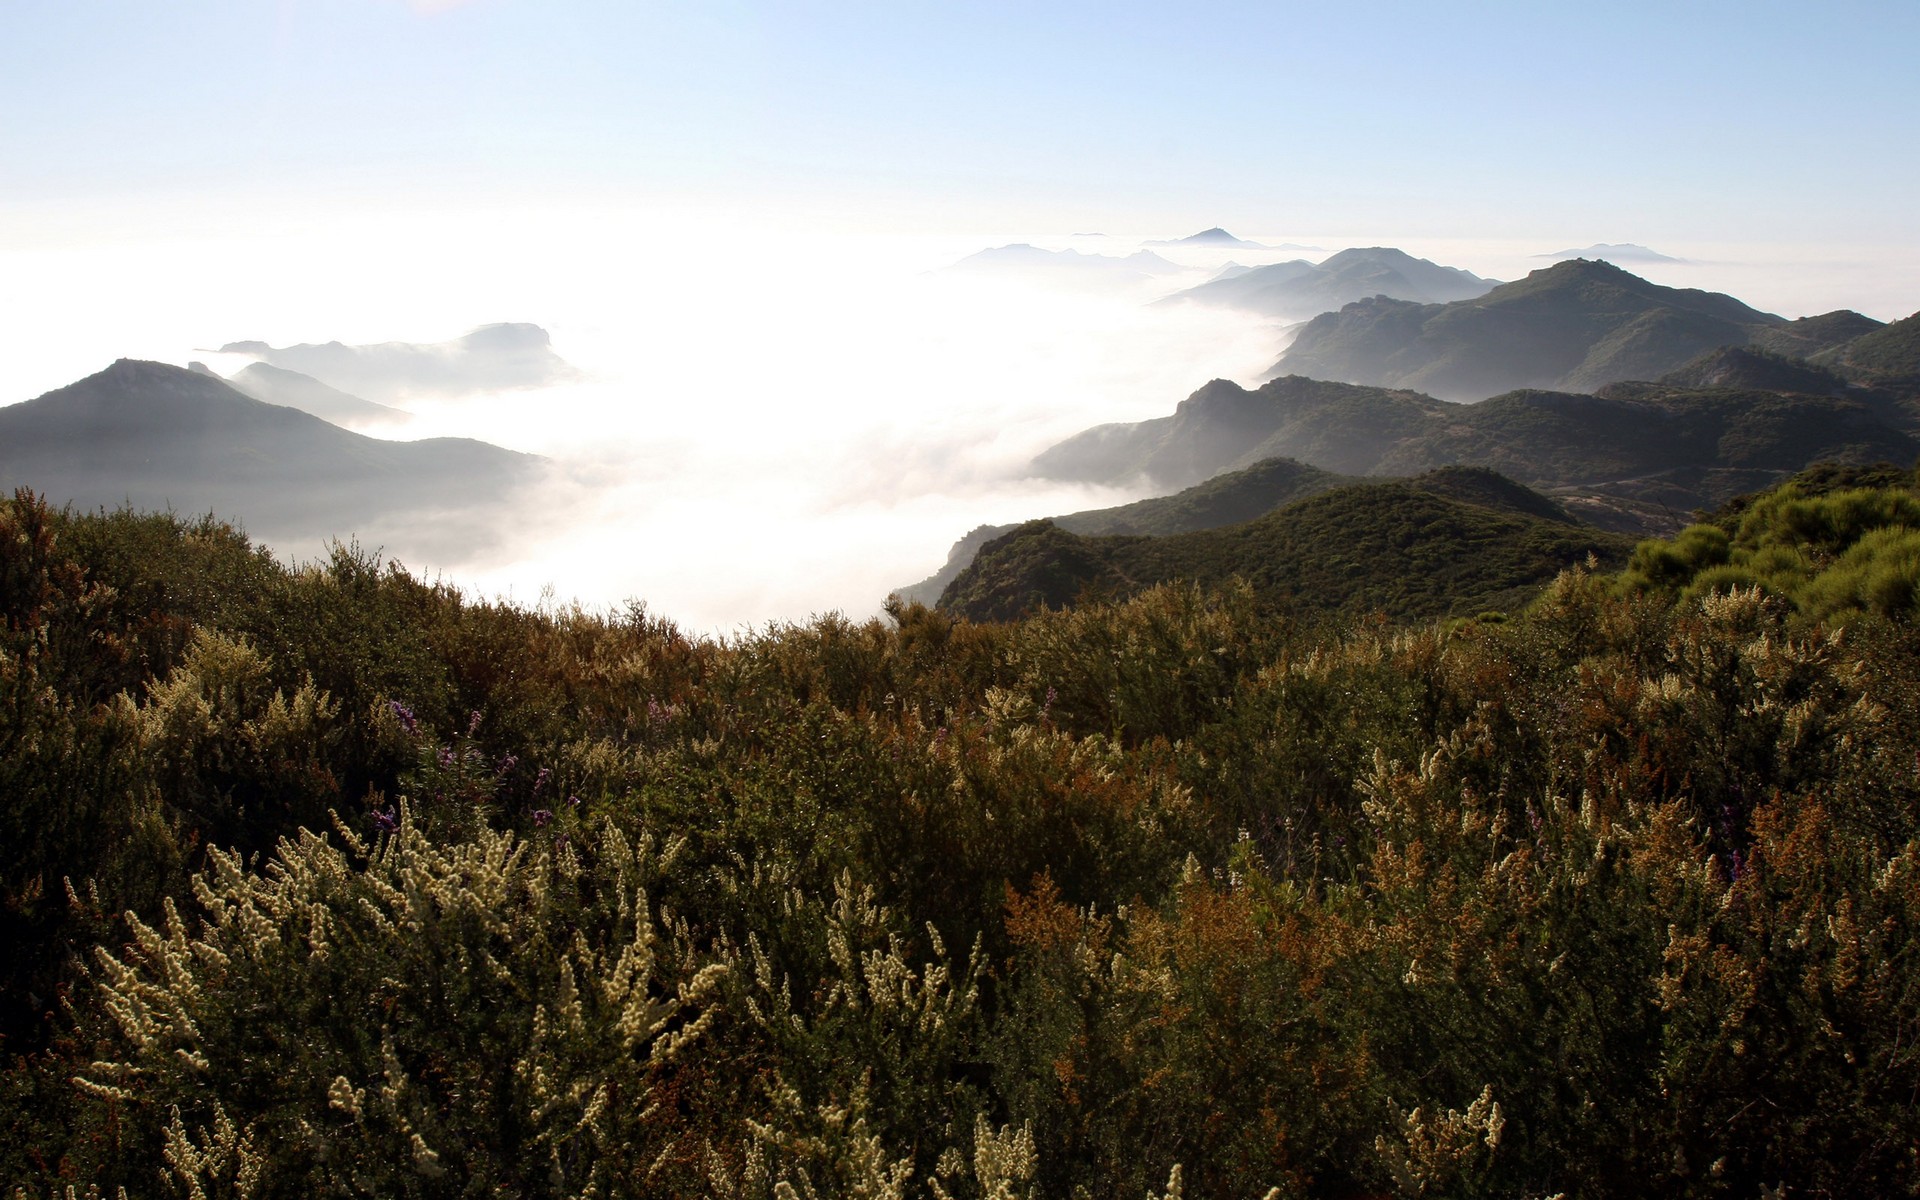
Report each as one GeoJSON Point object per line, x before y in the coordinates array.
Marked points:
{"type": "Point", "coordinates": [330, 881]}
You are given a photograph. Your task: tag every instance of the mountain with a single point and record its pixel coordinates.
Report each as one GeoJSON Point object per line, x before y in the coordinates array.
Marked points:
{"type": "Point", "coordinates": [1809, 336]}
{"type": "Point", "coordinates": [1689, 447]}
{"type": "Point", "coordinates": [1751, 369]}
{"type": "Point", "coordinates": [1453, 542]}
{"type": "Point", "coordinates": [1070, 267]}
{"type": "Point", "coordinates": [1574, 326]}
{"type": "Point", "coordinates": [1300, 289]}
{"type": "Point", "coordinates": [1212, 237]}
{"type": "Point", "coordinates": [1887, 355]}
{"type": "Point", "coordinates": [1623, 252]}
{"type": "Point", "coordinates": [490, 358]}
{"type": "Point", "coordinates": [161, 437]}
{"type": "Point", "coordinates": [1635, 456]}
{"type": "Point", "coordinates": [1223, 500]}
{"type": "Point", "coordinates": [1338, 427]}
{"type": "Point", "coordinates": [277, 385]}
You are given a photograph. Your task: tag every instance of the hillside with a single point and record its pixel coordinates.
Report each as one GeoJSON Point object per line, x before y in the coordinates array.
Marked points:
{"type": "Point", "coordinates": [1574, 326]}
{"type": "Point", "coordinates": [1889, 355]}
{"type": "Point", "coordinates": [1454, 541]}
{"type": "Point", "coordinates": [1750, 368]}
{"type": "Point", "coordinates": [1299, 289]}
{"type": "Point", "coordinates": [382, 889]}
{"type": "Point", "coordinates": [1636, 457]}
{"type": "Point", "coordinates": [1809, 336]}
{"type": "Point", "coordinates": [161, 437]}
{"type": "Point", "coordinates": [1337, 427]}
{"type": "Point", "coordinates": [1225, 499]}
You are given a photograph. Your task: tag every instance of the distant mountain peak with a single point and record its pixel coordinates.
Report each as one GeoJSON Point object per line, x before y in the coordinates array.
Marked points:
{"type": "Point", "coordinates": [1211, 237]}
{"type": "Point", "coordinates": [1615, 252]}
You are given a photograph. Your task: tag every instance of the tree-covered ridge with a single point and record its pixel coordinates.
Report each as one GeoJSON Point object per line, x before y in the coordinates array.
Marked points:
{"type": "Point", "coordinates": [1454, 541]}
{"type": "Point", "coordinates": [1617, 897]}
{"type": "Point", "coordinates": [1889, 355]}
{"type": "Point", "coordinates": [1725, 426]}
{"type": "Point", "coordinates": [1226, 499]}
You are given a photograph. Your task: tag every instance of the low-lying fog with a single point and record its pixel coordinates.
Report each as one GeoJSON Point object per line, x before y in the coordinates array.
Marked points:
{"type": "Point", "coordinates": [769, 425]}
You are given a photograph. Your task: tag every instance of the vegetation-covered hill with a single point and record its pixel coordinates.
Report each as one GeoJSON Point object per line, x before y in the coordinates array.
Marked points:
{"type": "Point", "coordinates": [1889, 355]}
{"type": "Point", "coordinates": [1808, 336]}
{"type": "Point", "coordinates": [1455, 541]}
{"type": "Point", "coordinates": [1616, 898]}
{"type": "Point", "coordinates": [1668, 447]}
{"type": "Point", "coordinates": [1299, 289]}
{"type": "Point", "coordinates": [1338, 427]}
{"type": "Point", "coordinates": [1225, 499]}
{"type": "Point", "coordinates": [1749, 368]}
{"type": "Point", "coordinates": [1574, 326]}
{"type": "Point", "coordinates": [158, 436]}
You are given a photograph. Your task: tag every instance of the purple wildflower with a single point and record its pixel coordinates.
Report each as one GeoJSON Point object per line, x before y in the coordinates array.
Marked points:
{"type": "Point", "coordinates": [573, 802]}
{"type": "Point", "coordinates": [658, 714]}
{"type": "Point", "coordinates": [506, 764]}
{"type": "Point", "coordinates": [385, 820]}
{"type": "Point", "coordinates": [473, 723]}
{"type": "Point", "coordinates": [408, 721]}
{"type": "Point", "coordinates": [446, 756]}
{"type": "Point", "coordinates": [541, 816]}
{"type": "Point", "coordinates": [540, 780]}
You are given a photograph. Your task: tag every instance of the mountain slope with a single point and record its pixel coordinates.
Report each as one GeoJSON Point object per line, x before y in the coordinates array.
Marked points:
{"type": "Point", "coordinates": [1452, 542]}
{"type": "Point", "coordinates": [1809, 336]}
{"type": "Point", "coordinates": [1887, 355]}
{"type": "Point", "coordinates": [158, 436]}
{"type": "Point", "coordinates": [1334, 426]}
{"type": "Point", "coordinates": [1573, 326]}
{"type": "Point", "coordinates": [277, 385]}
{"type": "Point", "coordinates": [1223, 500]}
{"type": "Point", "coordinates": [1635, 455]}
{"type": "Point", "coordinates": [1751, 368]}
{"type": "Point", "coordinates": [1300, 289]}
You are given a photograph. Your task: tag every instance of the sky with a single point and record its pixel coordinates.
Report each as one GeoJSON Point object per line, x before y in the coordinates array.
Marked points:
{"type": "Point", "coordinates": [725, 212]}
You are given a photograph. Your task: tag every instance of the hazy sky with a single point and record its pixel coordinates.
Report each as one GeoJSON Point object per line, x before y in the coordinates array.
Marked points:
{"type": "Point", "coordinates": [725, 213]}
{"type": "Point", "coordinates": [1746, 121]}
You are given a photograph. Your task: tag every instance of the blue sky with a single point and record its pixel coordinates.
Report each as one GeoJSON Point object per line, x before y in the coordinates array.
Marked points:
{"type": "Point", "coordinates": [1751, 121]}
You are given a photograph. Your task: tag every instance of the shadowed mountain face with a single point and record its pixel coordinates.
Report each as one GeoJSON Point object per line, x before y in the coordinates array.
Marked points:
{"type": "Point", "coordinates": [1889, 355]}
{"type": "Point", "coordinates": [1300, 289]}
{"type": "Point", "coordinates": [1675, 447]}
{"type": "Point", "coordinates": [1452, 542]}
{"type": "Point", "coordinates": [1334, 426]}
{"type": "Point", "coordinates": [1223, 500]}
{"type": "Point", "coordinates": [1574, 326]}
{"type": "Point", "coordinates": [1745, 367]}
{"type": "Point", "coordinates": [160, 437]}
{"type": "Point", "coordinates": [491, 358]}
{"type": "Point", "coordinates": [1809, 336]}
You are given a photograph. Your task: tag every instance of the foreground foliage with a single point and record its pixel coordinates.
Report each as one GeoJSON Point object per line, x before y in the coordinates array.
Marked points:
{"type": "Point", "coordinates": [328, 881]}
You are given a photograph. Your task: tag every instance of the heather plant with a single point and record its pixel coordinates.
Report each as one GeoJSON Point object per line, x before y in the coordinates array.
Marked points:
{"type": "Point", "coordinates": [1615, 895]}
{"type": "Point", "coordinates": [401, 1017]}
